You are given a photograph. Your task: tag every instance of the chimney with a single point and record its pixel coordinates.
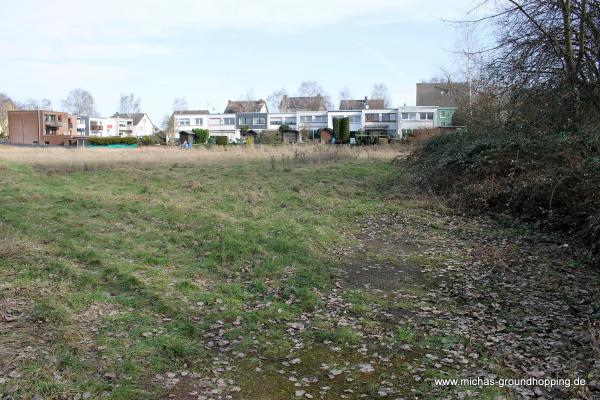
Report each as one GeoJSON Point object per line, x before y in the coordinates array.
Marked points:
{"type": "Point", "coordinates": [366, 103]}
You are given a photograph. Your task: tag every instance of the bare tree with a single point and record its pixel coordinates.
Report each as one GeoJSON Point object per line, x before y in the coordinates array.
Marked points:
{"type": "Point", "coordinates": [274, 99]}
{"type": "Point", "coordinates": [168, 127]}
{"type": "Point", "coordinates": [128, 104]}
{"type": "Point", "coordinates": [345, 94]}
{"type": "Point", "coordinates": [544, 49]}
{"type": "Point", "coordinates": [6, 105]}
{"type": "Point", "coordinates": [381, 92]}
{"type": "Point", "coordinates": [248, 95]}
{"type": "Point", "coordinates": [46, 104]}
{"type": "Point", "coordinates": [314, 89]}
{"type": "Point", "coordinates": [80, 102]}
{"type": "Point", "coordinates": [29, 104]}
{"type": "Point", "coordinates": [310, 88]}
{"type": "Point", "coordinates": [180, 104]}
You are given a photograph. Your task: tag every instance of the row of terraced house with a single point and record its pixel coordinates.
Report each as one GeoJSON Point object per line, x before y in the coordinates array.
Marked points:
{"type": "Point", "coordinates": [310, 117]}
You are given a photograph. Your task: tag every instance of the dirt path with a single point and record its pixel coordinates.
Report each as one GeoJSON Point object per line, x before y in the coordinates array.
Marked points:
{"type": "Point", "coordinates": [511, 304]}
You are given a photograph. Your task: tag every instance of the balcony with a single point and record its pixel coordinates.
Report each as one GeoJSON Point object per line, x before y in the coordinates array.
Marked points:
{"type": "Point", "coordinates": [53, 123]}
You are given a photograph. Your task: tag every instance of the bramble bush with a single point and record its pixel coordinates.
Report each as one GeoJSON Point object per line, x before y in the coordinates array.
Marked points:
{"type": "Point", "coordinates": [550, 179]}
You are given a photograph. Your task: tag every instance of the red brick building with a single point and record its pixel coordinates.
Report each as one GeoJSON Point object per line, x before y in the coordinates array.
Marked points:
{"type": "Point", "coordinates": [42, 127]}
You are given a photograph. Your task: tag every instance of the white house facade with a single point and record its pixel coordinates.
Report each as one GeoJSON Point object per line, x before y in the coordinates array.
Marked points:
{"type": "Point", "coordinates": [418, 117]}
{"type": "Point", "coordinates": [394, 123]}
{"type": "Point", "coordinates": [216, 124]}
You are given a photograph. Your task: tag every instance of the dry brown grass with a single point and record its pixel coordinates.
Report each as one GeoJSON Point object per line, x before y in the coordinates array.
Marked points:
{"type": "Point", "coordinates": [81, 159]}
{"type": "Point", "coordinates": [420, 136]}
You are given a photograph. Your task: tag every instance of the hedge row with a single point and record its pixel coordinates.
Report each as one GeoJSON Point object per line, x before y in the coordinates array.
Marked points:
{"type": "Point", "coordinates": [105, 141]}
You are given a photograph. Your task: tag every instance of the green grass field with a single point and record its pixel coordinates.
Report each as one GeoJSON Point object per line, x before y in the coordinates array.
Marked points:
{"type": "Point", "coordinates": [114, 275]}
{"type": "Point", "coordinates": [266, 273]}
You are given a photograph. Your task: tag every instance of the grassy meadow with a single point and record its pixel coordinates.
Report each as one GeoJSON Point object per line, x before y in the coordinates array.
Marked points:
{"type": "Point", "coordinates": [116, 266]}
{"type": "Point", "coordinates": [293, 272]}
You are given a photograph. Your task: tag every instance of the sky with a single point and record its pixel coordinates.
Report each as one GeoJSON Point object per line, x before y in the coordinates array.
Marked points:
{"type": "Point", "coordinates": [209, 51]}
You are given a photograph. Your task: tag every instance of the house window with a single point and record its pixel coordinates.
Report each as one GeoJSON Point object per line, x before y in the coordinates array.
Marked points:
{"type": "Point", "coordinates": [443, 114]}
{"type": "Point", "coordinates": [426, 116]}
{"type": "Point", "coordinates": [214, 121]}
{"type": "Point", "coordinates": [229, 121]}
{"type": "Point", "coordinates": [245, 120]}
{"type": "Point", "coordinates": [259, 121]}
{"type": "Point", "coordinates": [182, 122]}
{"type": "Point", "coordinates": [409, 115]}
{"type": "Point", "coordinates": [305, 118]}
{"type": "Point", "coordinates": [199, 121]}
{"type": "Point", "coordinates": [320, 118]}
{"type": "Point", "coordinates": [371, 117]}
{"type": "Point", "coordinates": [289, 120]}
{"type": "Point", "coordinates": [276, 121]}
{"type": "Point", "coordinates": [388, 117]}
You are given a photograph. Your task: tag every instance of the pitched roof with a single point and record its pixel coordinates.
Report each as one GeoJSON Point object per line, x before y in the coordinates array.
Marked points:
{"type": "Point", "coordinates": [191, 112]}
{"type": "Point", "coordinates": [310, 103]}
{"type": "Point", "coordinates": [441, 94]}
{"type": "Point", "coordinates": [374, 104]}
{"type": "Point", "coordinates": [240, 106]}
{"type": "Point", "coordinates": [136, 117]}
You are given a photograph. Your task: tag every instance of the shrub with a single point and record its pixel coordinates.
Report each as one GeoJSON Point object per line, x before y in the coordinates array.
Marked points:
{"type": "Point", "coordinates": [550, 179]}
{"type": "Point", "coordinates": [336, 129]}
{"type": "Point", "coordinates": [344, 129]}
{"type": "Point", "coordinates": [422, 135]}
{"type": "Point", "coordinates": [221, 140]}
{"type": "Point", "coordinates": [146, 141]}
{"type": "Point", "coordinates": [283, 128]}
{"type": "Point", "coordinates": [200, 135]}
{"type": "Point", "coordinates": [270, 137]}
{"type": "Point", "coordinates": [106, 141]}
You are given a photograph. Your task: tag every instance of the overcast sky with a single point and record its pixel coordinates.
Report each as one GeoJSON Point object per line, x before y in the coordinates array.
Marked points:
{"type": "Point", "coordinates": [210, 51]}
